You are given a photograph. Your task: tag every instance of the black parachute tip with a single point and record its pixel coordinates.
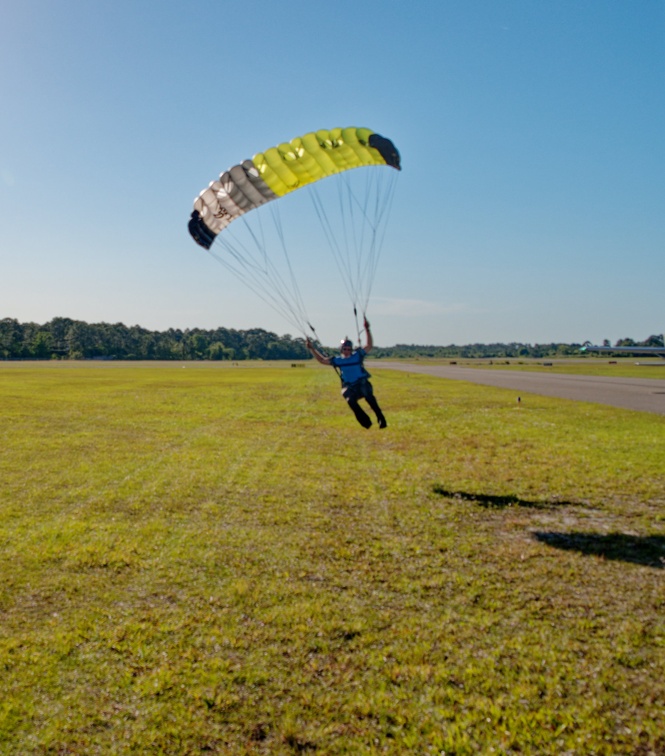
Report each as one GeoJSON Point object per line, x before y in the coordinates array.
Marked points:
{"type": "Point", "coordinates": [198, 230]}
{"type": "Point", "coordinates": [387, 150]}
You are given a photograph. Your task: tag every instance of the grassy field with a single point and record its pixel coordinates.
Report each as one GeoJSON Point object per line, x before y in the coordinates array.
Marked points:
{"type": "Point", "coordinates": [219, 559]}
{"type": "Point", "coordinates": [624, 367]}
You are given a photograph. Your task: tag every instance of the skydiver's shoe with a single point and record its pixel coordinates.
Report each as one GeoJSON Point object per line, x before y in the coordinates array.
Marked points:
{"type": "Point", "coordinates": [364, 420]}
{"type": "Point", "coordinates": [382, 422]}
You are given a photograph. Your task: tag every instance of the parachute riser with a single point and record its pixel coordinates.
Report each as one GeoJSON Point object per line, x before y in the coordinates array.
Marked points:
{"type": "Point", "coordinates": [355, 315]}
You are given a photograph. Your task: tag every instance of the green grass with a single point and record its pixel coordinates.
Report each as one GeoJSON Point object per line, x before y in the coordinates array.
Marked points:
{"type": "Point", "coordinates": [218, 559]}
{"type": "Point", "coordinates": [622, 367]}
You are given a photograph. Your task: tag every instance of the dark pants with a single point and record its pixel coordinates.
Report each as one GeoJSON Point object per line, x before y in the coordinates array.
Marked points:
{"type": "Point", "coordinates": [362, 389]}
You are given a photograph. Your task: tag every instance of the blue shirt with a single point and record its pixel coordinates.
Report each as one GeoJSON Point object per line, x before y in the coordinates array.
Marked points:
{"type": "Point", "coordinates": [351, 367]}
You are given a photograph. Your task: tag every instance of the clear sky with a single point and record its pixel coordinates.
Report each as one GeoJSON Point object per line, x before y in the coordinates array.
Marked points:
{"type": "Point", "coordinates": [531, 205]}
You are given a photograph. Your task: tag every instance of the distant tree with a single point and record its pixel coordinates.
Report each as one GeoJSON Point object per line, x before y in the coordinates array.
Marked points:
{"type": "Point", "coordinates": [11, 338]}
{"type": "Point", "coordinates": [217, 351]}
{"type": "Point", "coordinates": [42, 345]}
{"type": "Point", "coordinates": [76, 340]}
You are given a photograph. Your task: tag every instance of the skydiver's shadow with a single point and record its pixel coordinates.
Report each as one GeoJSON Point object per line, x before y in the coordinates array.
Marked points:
{"type": "Point", "coordinates": [491, 501]}
{"type": "Point", "coordinates": [645, 550]}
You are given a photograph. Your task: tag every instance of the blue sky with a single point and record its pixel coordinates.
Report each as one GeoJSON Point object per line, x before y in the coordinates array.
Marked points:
{"type": "Point", "coordinates": [531, 205]}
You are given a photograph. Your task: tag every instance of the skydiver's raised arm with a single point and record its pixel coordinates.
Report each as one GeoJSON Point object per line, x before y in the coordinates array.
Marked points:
{"type": "Point", "coordinates": [317, 355]}
{"type": "Point", "coordinates": [370, 340]}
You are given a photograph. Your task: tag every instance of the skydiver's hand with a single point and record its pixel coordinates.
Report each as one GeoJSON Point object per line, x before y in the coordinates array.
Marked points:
{"type": "Point", "coordinates": [366, 324]}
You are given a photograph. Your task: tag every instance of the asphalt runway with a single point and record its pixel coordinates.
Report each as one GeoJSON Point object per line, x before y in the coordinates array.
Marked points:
{"type": "Point", "coordinates": [642, 394]}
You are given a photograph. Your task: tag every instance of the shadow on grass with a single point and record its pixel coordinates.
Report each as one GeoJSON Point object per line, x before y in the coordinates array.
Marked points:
{"type": "Point", "coordinates": [646, 550]}
{"type": "Point", "coordinates": [490, 501]}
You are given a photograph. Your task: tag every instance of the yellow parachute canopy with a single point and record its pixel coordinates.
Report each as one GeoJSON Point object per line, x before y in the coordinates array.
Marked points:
{"type": "Point", "coordinates": [282, 169]}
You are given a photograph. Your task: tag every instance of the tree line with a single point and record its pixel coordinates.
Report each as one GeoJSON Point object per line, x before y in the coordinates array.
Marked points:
{"type": "Point", "coordinates": [512, 350]}
{"type": "Point", "coordinates": [64, 338]}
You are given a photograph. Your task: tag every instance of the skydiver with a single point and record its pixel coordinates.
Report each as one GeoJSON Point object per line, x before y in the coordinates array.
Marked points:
{"type": "Point", "coordinates": [355, 379]}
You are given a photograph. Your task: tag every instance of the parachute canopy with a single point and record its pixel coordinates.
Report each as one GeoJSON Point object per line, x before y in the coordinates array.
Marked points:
{"type": "Point", "coordinates": [282, 169]}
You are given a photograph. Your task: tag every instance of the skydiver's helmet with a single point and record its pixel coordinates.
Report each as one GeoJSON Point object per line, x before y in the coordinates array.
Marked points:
{"type": "Point", "coordinates": [346, 344]}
